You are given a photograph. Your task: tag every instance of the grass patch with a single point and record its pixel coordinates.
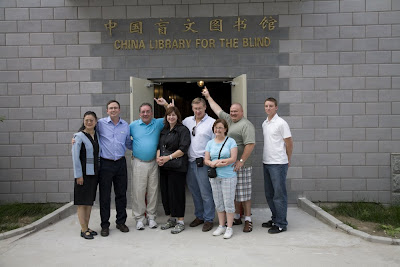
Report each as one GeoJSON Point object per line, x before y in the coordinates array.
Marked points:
{"type": "Point", "coordinates": [390, 230]}
{"type": "Point", "coordinates": [17, 215]}
{"type": "Point", "coordinates": [351, 225]}
{"type": "Point", "coordinates": [388, 218]}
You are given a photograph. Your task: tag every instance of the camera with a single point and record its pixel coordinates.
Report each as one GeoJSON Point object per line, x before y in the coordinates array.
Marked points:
{"type": "Point", "coordinates": [200, 162]}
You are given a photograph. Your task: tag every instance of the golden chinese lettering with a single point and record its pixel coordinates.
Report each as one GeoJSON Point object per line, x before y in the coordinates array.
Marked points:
{"type": "Point", "coordinates": [136, 27]}
{"type": "Point", "coordinates": [189, 25]}
{"type": "Point", "coordinates": [199, 41]}
{"type": "Point", "coordinates": [162, 27]}
{"type": "Point", "coordinates": [216, 25]}
{"type": "Point", "coordinates": [264, 23]}
{"type": "Point", "coordinates": [271, 23]}
{"type": "Point", "coordinates": [240, 24]}
{"type": "Point", "coordinates": [110, 26]}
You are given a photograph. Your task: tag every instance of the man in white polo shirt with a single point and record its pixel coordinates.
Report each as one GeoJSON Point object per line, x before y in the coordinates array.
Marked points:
{"type": "Point", "coordinates": [278, 147]}
{"type": "Point", "coordinates": [200, 127]}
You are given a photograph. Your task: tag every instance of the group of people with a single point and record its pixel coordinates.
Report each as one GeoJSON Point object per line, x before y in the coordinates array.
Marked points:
{"type": "Point", "coordinates": [211, 156]}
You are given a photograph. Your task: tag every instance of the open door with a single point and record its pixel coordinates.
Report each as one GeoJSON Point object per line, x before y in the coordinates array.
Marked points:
{"type": "Point", "coordinates": [142, 91]}
{"type": "Point", "coordinates": [239, 92]}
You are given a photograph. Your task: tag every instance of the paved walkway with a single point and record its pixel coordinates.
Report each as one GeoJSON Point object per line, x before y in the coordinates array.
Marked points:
{"type": "Point", "coordinates": [308, 242]}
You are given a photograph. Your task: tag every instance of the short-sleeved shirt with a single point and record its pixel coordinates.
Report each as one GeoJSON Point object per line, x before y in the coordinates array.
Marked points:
{"type": "Point", "coordinates": [242, 131]}
{"type": "Point", "coordinates": [203, 134]}
{"type": "Point", "coordinates": [145, 138]}
{"type": "Point", "coordinates": [114, 139]}
{"type": "Point", "coordinates": [274, 132]}
{"type": "Point", "coordinates": [214, 148]}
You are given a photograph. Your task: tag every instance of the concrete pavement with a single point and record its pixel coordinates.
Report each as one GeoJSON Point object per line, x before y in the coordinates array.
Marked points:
{"type": "Point", "coordinates": [308, 242]}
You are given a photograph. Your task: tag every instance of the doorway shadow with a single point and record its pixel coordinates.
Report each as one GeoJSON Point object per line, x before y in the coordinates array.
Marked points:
{"type": "Point", "coordinates": [183, 93]}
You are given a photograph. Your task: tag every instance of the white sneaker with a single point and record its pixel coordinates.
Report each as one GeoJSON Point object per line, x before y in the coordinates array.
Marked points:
{"type": "Point", "coordinates": [228, 233]}
{"type": "Point", "coordinates": [152, 224]}
{"type": "Point", "coordinates": [220, 230]}
{"type": "Point", "coordinates": [139, 225]}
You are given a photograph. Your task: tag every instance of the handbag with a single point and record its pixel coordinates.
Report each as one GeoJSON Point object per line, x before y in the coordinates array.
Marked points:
{"type": "Point", "coordinates": [175, 163]}
{"type": "Point", "coordinates": [212, 171]}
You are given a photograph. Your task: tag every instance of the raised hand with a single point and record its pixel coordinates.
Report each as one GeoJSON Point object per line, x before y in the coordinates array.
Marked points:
{"type": "Point", "coordinates": [205, 92]}
{"type": "Point", "coordinates": [172, 104]}
{"type": "Point", "coordinates": [161, 101]}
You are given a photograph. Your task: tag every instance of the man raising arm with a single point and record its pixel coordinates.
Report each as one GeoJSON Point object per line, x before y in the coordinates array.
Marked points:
{"type": "Point", "coordinates": [243, 132]}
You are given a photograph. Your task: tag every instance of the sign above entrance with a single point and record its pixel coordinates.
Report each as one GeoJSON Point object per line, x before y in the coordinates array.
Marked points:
{"type": "Point", "coordinates": [191, 33]}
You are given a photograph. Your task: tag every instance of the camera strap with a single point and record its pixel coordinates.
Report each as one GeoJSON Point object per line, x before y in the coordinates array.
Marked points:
{"type": "Point", "coordinates": [219, 155]}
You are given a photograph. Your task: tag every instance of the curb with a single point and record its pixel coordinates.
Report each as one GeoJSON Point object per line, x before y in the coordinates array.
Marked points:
{"type": "Point", "coordinates": [59, 214]}
{"type": "Point", "coordinates": [325, 217]}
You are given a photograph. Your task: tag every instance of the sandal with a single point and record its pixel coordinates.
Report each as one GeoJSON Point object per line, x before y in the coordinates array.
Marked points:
{"type": "Point", "coordinates": [248, 227]}
{"type": "Point", "coordinates": [93, 233]}
{"type": "Point", "coordinates": [86, 235]}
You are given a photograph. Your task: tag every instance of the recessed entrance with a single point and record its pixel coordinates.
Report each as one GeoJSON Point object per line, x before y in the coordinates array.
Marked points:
{"type": "Point", "coordinates": [223, 90]}
{"type": "Point", "coordinates": [184, 92]}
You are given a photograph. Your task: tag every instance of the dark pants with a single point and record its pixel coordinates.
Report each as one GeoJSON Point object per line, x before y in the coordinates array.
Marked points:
{"type": "Point", "coordinates": [173, 195]}
{"type": "Point", "coordinates": [113, 172]}
{"type": "Point", "coordinates": [275, 192]}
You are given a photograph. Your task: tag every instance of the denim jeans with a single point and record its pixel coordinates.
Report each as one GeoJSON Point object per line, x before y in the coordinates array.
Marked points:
{"type": "Point", "coordinates": [275, 192]}
{"type": "Point", "coordinates": [200, 187]}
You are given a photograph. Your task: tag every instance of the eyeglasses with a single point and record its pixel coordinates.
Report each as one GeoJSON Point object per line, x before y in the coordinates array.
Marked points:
{"type": "Point", "coordinates": [194, 131]}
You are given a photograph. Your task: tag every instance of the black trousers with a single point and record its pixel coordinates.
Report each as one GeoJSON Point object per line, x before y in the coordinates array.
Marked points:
{"type": "Point", "coordinates": [173, 195]}
{"type": "Point", "coordinates": [113, 172]}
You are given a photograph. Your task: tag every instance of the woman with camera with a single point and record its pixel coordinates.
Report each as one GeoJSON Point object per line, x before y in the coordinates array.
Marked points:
{"type": "Point", "coordinates": [173, 161]}
{"type": "Point", "coordinates": [221, 154]}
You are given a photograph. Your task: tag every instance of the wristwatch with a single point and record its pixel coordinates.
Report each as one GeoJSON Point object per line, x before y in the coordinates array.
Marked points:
{"type": "Point", "coordinates": [241, 160]}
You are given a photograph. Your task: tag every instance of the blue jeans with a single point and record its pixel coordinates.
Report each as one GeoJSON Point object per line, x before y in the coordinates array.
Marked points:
{"type": "Point", "coordinates": [200, 187]}
{"type": "Point", "coordinates": [275, 192]}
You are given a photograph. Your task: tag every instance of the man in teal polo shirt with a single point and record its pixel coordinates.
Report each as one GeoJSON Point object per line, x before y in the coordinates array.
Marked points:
{"type": "Point", "coordinates": [145, 133]}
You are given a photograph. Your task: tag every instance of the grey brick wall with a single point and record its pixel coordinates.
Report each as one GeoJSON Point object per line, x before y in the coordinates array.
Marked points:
{"type": "Point", "coordinates": [335, 70]}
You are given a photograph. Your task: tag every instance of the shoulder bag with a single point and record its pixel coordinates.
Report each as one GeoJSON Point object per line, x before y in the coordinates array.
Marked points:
{"type": "Point", "coordinates": [212, 172]}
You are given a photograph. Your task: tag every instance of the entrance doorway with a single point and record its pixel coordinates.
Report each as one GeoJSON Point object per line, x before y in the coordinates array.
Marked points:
{"type": "Point", "coordinates": [183, 93]}
{"type": "Point", "coordinates": [224, 90]}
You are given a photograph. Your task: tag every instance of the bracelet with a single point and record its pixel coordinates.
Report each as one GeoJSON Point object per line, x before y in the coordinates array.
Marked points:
{"type": "Point", "coordinates": [170, 157]}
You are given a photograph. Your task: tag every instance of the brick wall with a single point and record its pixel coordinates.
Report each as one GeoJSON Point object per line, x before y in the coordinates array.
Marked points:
{"type": "Point", "coordinates": [336, 76]}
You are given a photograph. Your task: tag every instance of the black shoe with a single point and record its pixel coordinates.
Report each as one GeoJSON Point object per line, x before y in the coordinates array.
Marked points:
{"type": "Point", "coordinates": [268, 224]}
{"type": "Point", "coordinates": [123, 228]}
{"type": "Point", "coordinates": [196, 222]}
{"type": "Point", "coordinates": [237, 221]}
{"type": "Point", "coordinates": [276, 230]}
{"type": "Point", "coordinates": [207, 226]}
{"type": "Point", "coordinates": [93, 233]}
{"type": "Point", "coordinates": [105, 231]}
{"type": "Point", "coordinates": [86, 235]}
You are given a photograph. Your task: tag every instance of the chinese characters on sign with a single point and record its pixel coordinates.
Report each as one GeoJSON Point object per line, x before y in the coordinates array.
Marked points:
{"type": "Point", "coordinates": [240, 25]}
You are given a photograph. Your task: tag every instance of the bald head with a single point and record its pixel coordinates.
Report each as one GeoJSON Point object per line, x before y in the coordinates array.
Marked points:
{"type": "Point", "coordinates": [236, 112]}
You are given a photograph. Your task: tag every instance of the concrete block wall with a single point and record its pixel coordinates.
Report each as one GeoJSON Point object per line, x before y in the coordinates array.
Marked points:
{"type": "Point", "coordinates": [335, 71]}
{"type": "Point", "coordinates": [350, 47]}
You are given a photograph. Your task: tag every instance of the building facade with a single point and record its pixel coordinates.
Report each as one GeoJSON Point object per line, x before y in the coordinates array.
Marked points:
{"type": "Point", "coordinates": [334, 67]}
